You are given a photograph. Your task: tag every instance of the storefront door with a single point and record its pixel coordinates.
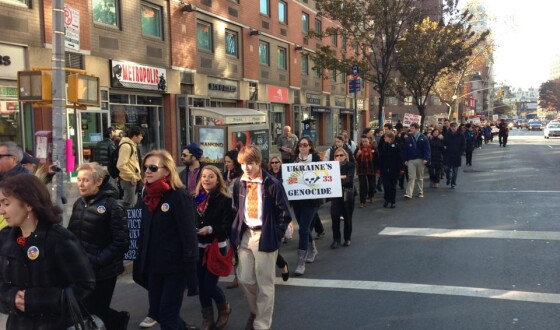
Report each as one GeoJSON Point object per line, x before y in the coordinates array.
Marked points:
{"type": "Point", "coordinates": [185, 128]}
{"type": "Point", "coordinates": [91, 127]}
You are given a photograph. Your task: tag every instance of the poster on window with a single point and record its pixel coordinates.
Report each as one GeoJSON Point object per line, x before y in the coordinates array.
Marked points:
{"type": "Point", "coordinates": [410, 118]}
{"type": "Point", "coordinates": [258, 138]}
{"type": "Point", "coordinates": [212, 142]}
{"type": "Point", "coordinates": [312, 180]}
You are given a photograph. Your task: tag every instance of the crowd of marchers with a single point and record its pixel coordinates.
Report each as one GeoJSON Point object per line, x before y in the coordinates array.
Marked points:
{"type": "Point", "coordinates": [192, 219]}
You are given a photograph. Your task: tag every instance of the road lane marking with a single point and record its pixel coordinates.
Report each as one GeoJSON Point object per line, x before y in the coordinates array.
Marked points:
{"type": "Point", "coordinates": [526, 296]}
{"type": "Point", "coordinates": [471, 233]}
{"type": "Point", "coordinates": [512, 191]}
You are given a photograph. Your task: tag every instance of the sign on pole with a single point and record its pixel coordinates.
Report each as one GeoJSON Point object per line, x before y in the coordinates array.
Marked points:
{"type": "Point", "coordinates": [71, 27]}
{"type": "Point", "coordinates": [312, 180]}
{"type": "Point", "coordinates": [410, 118]}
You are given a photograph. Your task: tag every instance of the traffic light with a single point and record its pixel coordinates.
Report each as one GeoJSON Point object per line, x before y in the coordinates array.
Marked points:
{"type": "Point", "coordinates": [34, 86]}
{"type": "Point", "coordinates": [83, 89]}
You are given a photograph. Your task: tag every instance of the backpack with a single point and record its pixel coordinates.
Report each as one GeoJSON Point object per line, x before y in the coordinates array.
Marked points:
{"type": "Point", "coordinates": [114, 157]}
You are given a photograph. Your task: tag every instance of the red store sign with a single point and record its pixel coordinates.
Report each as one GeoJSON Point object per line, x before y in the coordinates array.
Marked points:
{"type": "Point", "coordinates": [278, 94]}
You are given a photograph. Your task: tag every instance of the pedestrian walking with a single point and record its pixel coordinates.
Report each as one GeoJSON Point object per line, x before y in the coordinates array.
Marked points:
{"type": "Point", "coordinates": [214, 217]}
{"type": "Point", "coordinates": [343, 206]}
{"type": "Point", "coordinates": [417, 155]}
{"type": "Point", "coordinates": [99, 221]}
{"type": "Point", "coordinates": [487, 132]}
{"type": "Point", "coordinates": [348, 142]}
{"type": "Point", "coordinates": [103, 149]}
{"type": "Point", "coordinates": [168, 245]}
{"type": "Point", "coordinates": [286, 144]}
{"type": "Point", "coordinates": [391, 166]}
{"type": "Point", "coordinates": [454, 144]}
{"type": "Point", "coordinates": [232, 170]}
{"type": "Point", "coordinates": [40, 261]}
{"type": "Point", "coordinates": [436, 158]}
{"type": "Point", "coordinates": [262, 216]}
{"type": "Point", "coordinates": [470, 142]}
{"type": "Point", "coordinates": [305, 210]}
{"type": "Point", "coordinates": [190, 156]}
{"type": "Point", "coordinates": [365, 169]}
{"type": "Point", "coordinates": [503, 133]}
{"type": "Point", "coordinates": [339, 143]}
{"type": "Point", "coordinates": [129, 166]}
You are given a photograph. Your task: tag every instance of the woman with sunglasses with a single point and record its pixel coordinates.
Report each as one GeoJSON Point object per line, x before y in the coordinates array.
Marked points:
{"type": "Point", "coordinates": [168, 245]}
{"type": "Point", "coordinates": [305, 210]}
{"type": "Point", "coordinates": [39, 259]}
{"type": "Point", "coordinates": [232, 169]}
{"type": "Point", "coordinates": [275, 167]}
{"type": "Point", "coordinates": [99, 221]}
{"type": "Point", "coordinates": [343, 206]}
{"type": "Point", "coordinates": [214, 216]}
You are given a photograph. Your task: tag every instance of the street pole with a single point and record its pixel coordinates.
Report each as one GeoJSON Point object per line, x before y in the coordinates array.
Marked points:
{"type": "Point", "coordinates": [58, 101]}
{"type": "Point", "coordinates": [355, 130]}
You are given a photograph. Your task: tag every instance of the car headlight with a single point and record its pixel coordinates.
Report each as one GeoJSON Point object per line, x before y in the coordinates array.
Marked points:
{"type": "Point", "coordinates": [510, 125]}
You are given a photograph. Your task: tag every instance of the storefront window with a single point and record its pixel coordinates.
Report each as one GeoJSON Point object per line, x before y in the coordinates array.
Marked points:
{"type": "Point", "coordinates": [204, 35]}
{"type": "Point", "coordinates": [10, 115]}
{"type": "Point", "coordinates": [151, 20]}
{"type": "Point", "coordinates": [106, 12]}
{"type": "Point", "coordinates": [277, 121]}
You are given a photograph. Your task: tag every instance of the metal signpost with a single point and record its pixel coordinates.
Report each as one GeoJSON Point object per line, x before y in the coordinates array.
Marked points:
{"type": "Point", "coordinates": [355, 87]}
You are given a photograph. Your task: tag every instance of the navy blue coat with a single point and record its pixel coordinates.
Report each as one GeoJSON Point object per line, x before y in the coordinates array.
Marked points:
{"type": "Point", "coordinates": [454, 148]}
{"type": "Point", "coordinates": [417, 147]}
{"type": "Point", "coordinates": [390, 160]}
{"type": "Point", "coordinates": [277, 213]}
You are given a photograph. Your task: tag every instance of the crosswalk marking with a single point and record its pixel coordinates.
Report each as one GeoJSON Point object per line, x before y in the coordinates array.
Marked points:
{"type": "Point", "coordinates": [527, 296]}
{"type": "Point", "coordinates": [471, 233]}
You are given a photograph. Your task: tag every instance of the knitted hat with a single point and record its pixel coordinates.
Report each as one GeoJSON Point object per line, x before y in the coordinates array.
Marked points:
{"type": "Point", "coordinates": [195, 150]}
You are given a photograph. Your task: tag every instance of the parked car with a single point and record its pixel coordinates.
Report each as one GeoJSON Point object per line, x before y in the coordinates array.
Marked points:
{"type": "Point", "coordinates": [534, 125]}
{"type": "Point", "coordinates": [552, 129]}
{"type": "Point", "coordinates": [521, 123]}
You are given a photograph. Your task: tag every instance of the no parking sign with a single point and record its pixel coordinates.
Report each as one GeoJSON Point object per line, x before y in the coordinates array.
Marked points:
{"type": "Point", "coordinates": [71, 27]}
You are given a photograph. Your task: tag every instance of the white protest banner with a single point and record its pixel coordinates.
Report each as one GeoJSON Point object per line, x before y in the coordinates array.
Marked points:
{"type": "Point", "coordinates": [312, 180]}
{"type": "Point", "coordinates": [410, 118]}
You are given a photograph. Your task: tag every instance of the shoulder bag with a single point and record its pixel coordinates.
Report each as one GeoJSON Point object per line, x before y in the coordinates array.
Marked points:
{"type": "Point", "coordinates": [72, 307]}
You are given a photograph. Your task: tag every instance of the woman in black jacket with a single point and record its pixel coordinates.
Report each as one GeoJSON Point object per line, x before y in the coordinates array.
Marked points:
{"type": "Point", "coordinates": [214, 216]}
{"type": "Point", "coordinates": [99, 222]}
{"type": "Point", "coordinates": [168, 247]}
{"type": "Point", "coordinates": [436, 161]}
{"type": "Point", "coordinates": [343, 206]}
{"type": "Point", "coordinates": [306, 209]}
{"type": "Point", "coordinates": [391, 165]}
{"type": "Point", "coordinates": [39, 259]}
{"type": "Point", "coordinates": [232, 170]}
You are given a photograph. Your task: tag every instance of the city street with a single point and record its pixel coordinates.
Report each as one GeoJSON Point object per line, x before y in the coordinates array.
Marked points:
{"type": "Point", "coordinates": [483, 256]}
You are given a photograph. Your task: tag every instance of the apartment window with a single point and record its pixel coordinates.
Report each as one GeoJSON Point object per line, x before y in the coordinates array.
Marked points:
{"type": "Point", "coordinates": [282, 12]}
{"type": "Point", "coordinates": [232, 45]}
{"type": "Point", "coordinates": [106, 12]}
{"type": "Point", "coordinates": [318, 72]}
{"type": "Point", "coordinates": [265, 7]}
{"type": "Point", "coordinates": [408, 100]}
{"type": "Point", "coordinates": [264, 53]}
{"type": "Point", "coordinates": [436, 100]}
{"type": "Point", "coordinates": [305, 23]}
{"type": "Point", "coordinates": [334, 73]}
{"type": "Point", "coordinates": [151, 20]}
{"type": "Point", "coordinates": [334, 39]}
{"type": "Point", "coordinates": [318, 26]}
{"type": "Point", "coordinates": [204, 36]}
{"type": "Point", "coordinates": [343, 42]}
{"type": "Point", "coordinates": [305, 65]}
{"type": "Point", "coordinates": [25, 2]}
{"type": "Point", "coordinates": [282, 58]}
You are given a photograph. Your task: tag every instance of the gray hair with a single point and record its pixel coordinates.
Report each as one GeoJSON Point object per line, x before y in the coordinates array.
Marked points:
{"type": "Point", "coordinates": [98, 172]}
{"type": "Point", "coordinates": [13, 149]}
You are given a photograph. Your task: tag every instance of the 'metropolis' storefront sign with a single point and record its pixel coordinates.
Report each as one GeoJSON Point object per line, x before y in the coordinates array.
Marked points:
{"type": "Point", "coordinates": [133, 75]}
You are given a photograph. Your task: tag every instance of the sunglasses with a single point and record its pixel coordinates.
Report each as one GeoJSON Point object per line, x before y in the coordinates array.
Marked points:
{"type": "Point", "coordinates": [303, 145]}
{"type": "Point", "coordinates": [6, 155]}
{"type": "Point", "coordinates": [338, 156]}
{"type": "Point", "coordinates": [186, 155]}
{"type": "Point", "coordinates": [152, 168]}
{"type": "Point", "coordinates": [275, 162]}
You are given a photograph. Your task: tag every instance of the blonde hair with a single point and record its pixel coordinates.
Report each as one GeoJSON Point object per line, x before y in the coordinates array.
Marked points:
{"type": "Point", "coordinates": [221, 183]}
{"type": "Point", "coordinates": [169, 164]}
{"type": "Point", "coordinates": [98, 172]}
{"type": "Point", "coordinates": [343, 151]}
{"type": "Point", "coordinates": [250, 154]}
{"type": "Point", "coordinates": [269, 165]}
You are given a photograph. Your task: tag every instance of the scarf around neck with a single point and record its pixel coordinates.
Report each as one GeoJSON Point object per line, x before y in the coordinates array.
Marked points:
{"type": "Point", "coordinates": [154, 192]}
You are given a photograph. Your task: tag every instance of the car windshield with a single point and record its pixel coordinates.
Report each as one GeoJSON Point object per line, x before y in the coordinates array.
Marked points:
{"type": "Point", "coordinates": [554, 125]}
{"type": "Point", "coordinates": [535, 122]}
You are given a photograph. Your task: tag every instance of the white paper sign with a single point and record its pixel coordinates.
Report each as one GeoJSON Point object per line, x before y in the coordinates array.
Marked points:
{"type": "Point", "coordinates": [312, 180]}
{"type": "Point", "coordinates": [410, 118]}
{"type": "Point", "coordinates": [72, 27]}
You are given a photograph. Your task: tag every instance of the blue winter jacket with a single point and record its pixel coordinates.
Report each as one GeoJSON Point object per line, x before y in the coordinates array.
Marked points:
{"type": "Point", "coordinates": [417, 147]}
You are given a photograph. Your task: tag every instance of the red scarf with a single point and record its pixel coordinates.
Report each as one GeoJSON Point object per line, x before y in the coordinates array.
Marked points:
{"type": "Point", "coordinates": [366, 153]}
{"type": "Point", "coordinates": [154, 192]}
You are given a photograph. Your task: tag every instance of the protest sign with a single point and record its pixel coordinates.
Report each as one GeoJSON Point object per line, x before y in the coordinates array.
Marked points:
{"type": "Point", "coordinates": [312, 180]}
{"type": "Point", "coordinates": [134, 224]}
{"type": "Point", "coordinates": [410, 118]}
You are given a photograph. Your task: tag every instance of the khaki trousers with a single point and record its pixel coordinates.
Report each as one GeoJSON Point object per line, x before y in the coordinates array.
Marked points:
{"type": "Point", "coordinates": [415, 175]}
{"type": "Point", "coordinates": [256, 273]}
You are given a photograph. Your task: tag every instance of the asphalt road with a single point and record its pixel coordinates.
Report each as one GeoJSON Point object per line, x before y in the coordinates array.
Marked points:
{"type": "Point", "coordinates": [483, 256]}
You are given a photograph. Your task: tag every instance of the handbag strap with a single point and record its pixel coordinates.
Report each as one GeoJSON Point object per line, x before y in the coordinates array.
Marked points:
{"type": "Point", "coordinates": [73, 307]}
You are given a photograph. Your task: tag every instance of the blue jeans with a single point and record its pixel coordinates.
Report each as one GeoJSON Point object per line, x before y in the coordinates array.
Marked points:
{"type": "Point", "coordinates": [304, 216]}
{"type": "Point", "coordinates": [451, 174]}
{"type": "Point", "coordinates": [208, 288]}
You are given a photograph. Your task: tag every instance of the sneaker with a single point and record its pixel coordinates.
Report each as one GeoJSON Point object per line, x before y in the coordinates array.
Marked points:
{"type": "Point", "coordinates": [420, 195]}
{"type": "Point", "coordinates": [452, 186]}
{"type": "Point", "coordinates": [346, 243]}
{"type": "Point", "coordinates": [407, 197]}
{"type": "Point", "coordinates": [148, 322]}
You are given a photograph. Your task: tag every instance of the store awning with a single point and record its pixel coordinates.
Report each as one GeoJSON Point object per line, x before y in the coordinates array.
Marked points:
{"type": "Point", "coordinates": [230, 116]}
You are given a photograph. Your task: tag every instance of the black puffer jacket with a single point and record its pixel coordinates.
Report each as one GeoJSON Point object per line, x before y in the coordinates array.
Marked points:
{"type": "Point", "coordinates": [100, 223]}
{"type": "Point", "coordinates": [103, 150]}
{"type": "Point", "coordinates": [61, 263]}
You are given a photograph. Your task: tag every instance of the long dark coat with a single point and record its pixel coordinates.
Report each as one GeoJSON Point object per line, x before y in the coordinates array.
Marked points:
{"type": "Point", "coordinates": [390, 160]}
{"type": "Point", "coordinates": [454, 148]}
{"type": "Point", "coordinates": [436, 146]}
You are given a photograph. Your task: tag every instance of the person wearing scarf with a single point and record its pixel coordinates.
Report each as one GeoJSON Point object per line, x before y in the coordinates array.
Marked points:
{"type": "Point", "coordinates": [365, 169]}
{"type": "Point", "coordinates": [232, 169]}
{"type": "Point", "coordinates": [168, 247]}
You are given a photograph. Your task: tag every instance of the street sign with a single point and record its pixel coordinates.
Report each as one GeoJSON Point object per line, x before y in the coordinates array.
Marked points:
{"type": "Point", "coordinates": [354, 86]}
{"type": "Point", "coordinates": [355, 69]}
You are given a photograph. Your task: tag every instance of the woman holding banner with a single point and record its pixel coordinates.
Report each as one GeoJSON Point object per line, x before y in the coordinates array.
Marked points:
{"type": "Point", "coordinates": [99, 221]}
{"type": "Point", "coordinates": [305, 210]}
{"type": "Point", "coordinates": [343, 206]}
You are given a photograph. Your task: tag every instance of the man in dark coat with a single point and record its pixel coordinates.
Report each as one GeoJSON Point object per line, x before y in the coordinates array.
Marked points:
{"type": "Point", "coordinates": [104, 149]}
{"type": "Point", "coordinates": [503, 133]}
{"type": "Point", "coordinates": [391, 165]}
{"type": "Point", "coordinates": [10, 159]}
{"type": "Point", "coordinates": [454, 144]}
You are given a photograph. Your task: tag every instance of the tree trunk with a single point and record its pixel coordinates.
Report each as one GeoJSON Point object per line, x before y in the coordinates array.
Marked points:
{"type": "Point", "coordinates": [380, 109]}
{"type": "Point", "coordinates": [422, 112]}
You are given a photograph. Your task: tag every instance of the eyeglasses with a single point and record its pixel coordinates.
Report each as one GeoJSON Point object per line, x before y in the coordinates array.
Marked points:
{"type": "Point", "coordinates": [152, 168]}
{"type": "Point", "coordinates": [303, 145]}
{"type": "Point", "coordinates": [338, 156]}
{"type": "Point", "coordinates": [6, 155]}
{"type": "Point", "coordinates": [275, 162]}
{"type": "Point", "coordinates": [186, 155]}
